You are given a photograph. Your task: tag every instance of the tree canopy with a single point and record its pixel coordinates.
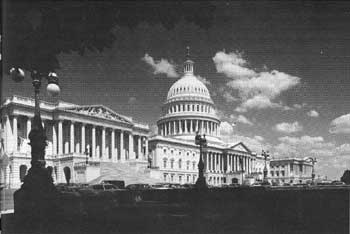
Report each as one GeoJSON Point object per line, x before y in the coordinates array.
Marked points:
{"type": "Point", "coordinates": [35, 32]}
{"type": "Point", "coordinates": [346, 177]}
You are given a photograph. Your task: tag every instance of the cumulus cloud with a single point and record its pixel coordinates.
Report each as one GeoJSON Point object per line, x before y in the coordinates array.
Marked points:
{"type": "Point", "coordinates": [241, 119]}
{"type": "Point", "coordinates": [341, 124]}
{"type": "Point", "coordinates": [257, 90]}
{"type": "Point", "coordinates": [289, 127]}
{"type": "Point", "coordinates": [203, 80]}
{"type": "Point", "coordinates": [229, 135]}
{"type": "Point", "coordinates": [332, 159]}
{"type": "Point", "coordinates": [162, 66]}
{"type": "Point", "coordinates": [313, 113]}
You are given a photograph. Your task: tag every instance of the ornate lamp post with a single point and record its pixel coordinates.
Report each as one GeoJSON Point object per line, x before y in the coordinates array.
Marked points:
{"type": "Point", "coordinates": [241, 165]}
{"type": "Point", "coordinates": [37, 192]}
{"type": "Point", "coordinates": [265, 154]}
{"type": "Point", "coordinates": [313, 161]}
{"type": "Point", "coordinates": [202, 142]}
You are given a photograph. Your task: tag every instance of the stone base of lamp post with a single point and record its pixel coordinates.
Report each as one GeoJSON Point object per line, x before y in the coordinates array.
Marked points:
{"type": "Point", "coordinates": [201, 183]}
{"type": "Point", "coordinates": [35, 202]}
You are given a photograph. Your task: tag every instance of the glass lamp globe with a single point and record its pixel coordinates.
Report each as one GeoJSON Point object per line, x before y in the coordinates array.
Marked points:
{"type": "Point", "coordinates": [17, 74]}
{"type": "Point", "coordinates": [53, 89]}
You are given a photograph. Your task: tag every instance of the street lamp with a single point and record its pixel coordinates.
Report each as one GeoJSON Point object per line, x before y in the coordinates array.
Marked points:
{"type": "Point", "coordinates": [265, 154]}
{"type": "Point", "coordinates": [202, 142]}
{"type": "Point", "coordinates": [241, 165]}
{"type": "Point", "coordinates": [37, 196]}
{"type": "Point", "coordinates": [313, 161]}
{"type": "Point", "coordinates": [37, 135]}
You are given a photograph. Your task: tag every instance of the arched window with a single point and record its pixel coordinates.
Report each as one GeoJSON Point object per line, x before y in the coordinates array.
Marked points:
{"type": "Point", "coordinates": [198, 108]}
{"type": "Point", "coordinates": [165, 162]}
{"type": "Point", "coordinates": [67, 174]}
{"type": "Point", "coordinates": [22, 172]}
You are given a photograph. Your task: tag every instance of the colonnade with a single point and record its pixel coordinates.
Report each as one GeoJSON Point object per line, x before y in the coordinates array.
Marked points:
{"type": "Point", "coordinates": [68, 137]}
{"type": "Point", "coordinates": [225, 163]}
{"type": "Point", "coordinates": [188, 126]}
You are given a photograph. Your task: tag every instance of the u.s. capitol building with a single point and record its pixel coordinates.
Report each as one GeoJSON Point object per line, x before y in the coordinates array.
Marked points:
{"type": "Point", "coordinates": [90, 143]}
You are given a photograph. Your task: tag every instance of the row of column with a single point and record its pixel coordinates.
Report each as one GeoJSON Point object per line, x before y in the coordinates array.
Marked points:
{"type": "Point", "coordinates": [120, 150]}
{"type": "Point", "coordinates": [217, 162]}
{"type": "Point", "coordinates": [107, 136]}
{"type": "Point", "coordinates": [176, 127]}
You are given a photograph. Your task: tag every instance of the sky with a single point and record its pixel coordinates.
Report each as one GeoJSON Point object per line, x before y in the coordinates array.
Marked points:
{"type": "Point", "coordinates": [279, 75]}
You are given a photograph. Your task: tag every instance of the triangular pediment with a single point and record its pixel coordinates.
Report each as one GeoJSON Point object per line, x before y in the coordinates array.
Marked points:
{"type": "Point", "coordinates": [240, 147]}
{"type": "Point", "coordinates": [99, 111]}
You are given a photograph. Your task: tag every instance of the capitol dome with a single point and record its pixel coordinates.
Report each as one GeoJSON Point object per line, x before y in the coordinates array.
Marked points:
{"type": "Point", "coordinates": [188, 109]}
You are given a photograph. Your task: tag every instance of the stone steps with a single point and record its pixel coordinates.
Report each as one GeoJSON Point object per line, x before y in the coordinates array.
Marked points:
{"type": "Point", "coordinates": [131, 173]}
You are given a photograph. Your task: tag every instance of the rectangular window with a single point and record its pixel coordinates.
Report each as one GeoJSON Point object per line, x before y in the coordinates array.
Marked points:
{"type": "Point", "coordinates": [282, 173]}
{"type": "Point", "coordinates": [272, 173]}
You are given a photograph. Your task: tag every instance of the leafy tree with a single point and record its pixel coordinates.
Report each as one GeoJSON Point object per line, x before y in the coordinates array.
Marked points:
{"type": "Point", "coordinates": [35, 32]}
{"type": "Point", "coordinates": [346, 177]}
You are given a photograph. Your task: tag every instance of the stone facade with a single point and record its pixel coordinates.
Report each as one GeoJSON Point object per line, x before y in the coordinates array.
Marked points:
{"type": "Point", "coordinates": [290, 170]}
{"type": "Point", "coordinates": [75, 135]}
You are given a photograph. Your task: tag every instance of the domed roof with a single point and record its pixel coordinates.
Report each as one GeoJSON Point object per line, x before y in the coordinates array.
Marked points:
{"type": "Point", "coordinates": [188, 86]}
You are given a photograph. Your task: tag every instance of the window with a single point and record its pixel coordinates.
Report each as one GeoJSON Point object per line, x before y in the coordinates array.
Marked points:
{"type": "Point", "coordinates": [180, 179]}
{"type": "Point", "coordinates": [282, 173]}
{"type": "Point", "coordinates": [180, 163]}
{"type": "Point", "coordinates": [164, 162]}
{"type": "Point", "coordinates": [164, 151]}
{"type": "Point", "coordinates": [272, 173]}
{"type": "Point", "coordinates": [188, 179]}
{"type": "Point", "coordinates": [194, 166]}
{"type": "Point", "coordinates": [172, 163]}
{"type": "Point", "coordinates": [291, 167]}
{"type": "Point", "coordinates": [277, 173]}
{"type": "Point", "coordinates": [188, 165]}
{"type": "Point", "coordinates": [164, 177]}
{"type": "Point", "coordinates": [300, 167]}
{"type": "Point", "coordinates": [172, 177]}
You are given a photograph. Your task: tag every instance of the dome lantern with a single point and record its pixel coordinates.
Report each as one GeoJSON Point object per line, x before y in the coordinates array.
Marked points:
{"type": "Point", "coordinates": [188, 65]}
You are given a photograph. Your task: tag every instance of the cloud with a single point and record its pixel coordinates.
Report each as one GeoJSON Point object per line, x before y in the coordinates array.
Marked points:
{"type": "Point", "coordinates": [332, 159]}
{"type": "Point", "coordinates": [340, 125]}
{"type": "Point", "coordinates": [257, 90]}
{"type": "Point", "coordinates": [203, 80]}
{"type": "Point", "coordinates": [228, 135]}
{"type": "Point", "coordinates": [313, 113]}
{"type": "Point", "coordinates": [161, 66]}
{"type": "Point", "coordinates": [241, 119]}
{"type": "Point", "coordinates": [289, 127]}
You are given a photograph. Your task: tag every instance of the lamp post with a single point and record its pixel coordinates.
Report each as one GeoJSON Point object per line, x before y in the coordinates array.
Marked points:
{"type": "Point", "coordinates": [265, 154]}
{"type": "Point", "coordinates": [313, 161]}
{"type": "Point", "coordinates": [241, 165]}
{"type": "Point", "coordinates": [202, 142]}
{"type": "Point", "coordinates": [37, 193]}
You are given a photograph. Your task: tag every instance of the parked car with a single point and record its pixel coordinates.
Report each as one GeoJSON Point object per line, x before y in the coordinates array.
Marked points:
{"type": "Point", "coordinates": [162, 186]}
{"type": "Point", "coordinates": [104, 187]}
{"type": "Point", "coordinates": [119, 183]}
{"type": "Point", "coordinates": [138, 186]}
{"type": "Point", "coordinates": [337, 182]}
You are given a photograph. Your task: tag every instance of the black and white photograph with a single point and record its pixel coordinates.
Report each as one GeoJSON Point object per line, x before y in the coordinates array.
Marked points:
{"type": "Point", "coordinates": [175, 117]}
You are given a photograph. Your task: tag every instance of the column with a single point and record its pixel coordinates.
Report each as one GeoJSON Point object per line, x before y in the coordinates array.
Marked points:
{"type": "Point", "coordinates": [103, 143]}
{"type": "Point", "coordinates": [29, 126]}
{"type": "Point", "coordinates": [185, 126]}
{"type": "Point", "coordinates": [215, 166]}
{"type": "Point", "coordinates": [197, 125]}
{"type": "Point", "coordinates": [207, 162]}
{"type": "Point", "coordinates": [71, 135]}
{"type": "Point", "coordinates": [131, 145]}
{"type": "Point", "coordinates": [191, 126]}
{"type": "Point", "coordinates": [54, 138]}
{"type": "Point", "coordinates": [93, 141]}
{"type": "Point", "coordinates": [139, 146]}
{"type": "Point", "coordinates": [83, 150]}
{"type": "Point", "coordinates": [146, 148]}
{"type": "Point", "coordinates": [8, 133]}
{"type": "Point", "coordinates": [180, 126]}
{"type": "Point", "coordinates": [121, 145]}
{"type": "Point", "coordinates": [60, 137]}
{"type": "Point", "coordinates": [202, 127]}
{"type": "Point", "coordinates": [174, 127]}
{"type": "Point", "coordinates": [15, 135]}
{"type": "Point", "coordinates": [114, 157]}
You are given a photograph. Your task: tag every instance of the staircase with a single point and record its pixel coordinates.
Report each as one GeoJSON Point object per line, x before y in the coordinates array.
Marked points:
{"type": "Point", "coordinates": [130, 172]}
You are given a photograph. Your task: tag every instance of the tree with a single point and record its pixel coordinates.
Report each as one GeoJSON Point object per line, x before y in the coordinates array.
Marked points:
{"type": "Point", "coordinates": [346, 177]}
{"type": "Point", "coordinates": [35, 32]}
